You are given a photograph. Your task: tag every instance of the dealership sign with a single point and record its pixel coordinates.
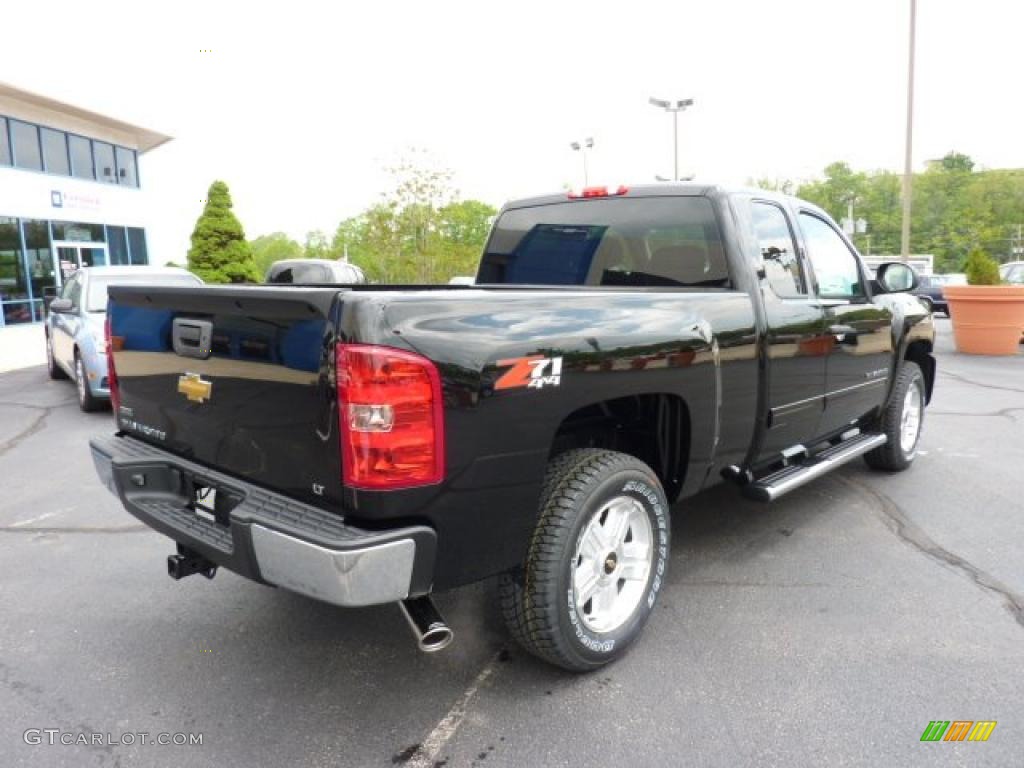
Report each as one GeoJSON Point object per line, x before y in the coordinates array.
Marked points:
{"type": "Point", "coordinates": [76, 201]}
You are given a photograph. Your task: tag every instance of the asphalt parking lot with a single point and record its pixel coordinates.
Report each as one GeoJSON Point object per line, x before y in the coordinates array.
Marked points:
{"type": "Point", "coordinates": [827, 629]}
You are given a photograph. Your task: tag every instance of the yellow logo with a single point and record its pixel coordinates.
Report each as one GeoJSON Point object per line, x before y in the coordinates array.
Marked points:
{"type": "Point", "coordinates": [194, 388]}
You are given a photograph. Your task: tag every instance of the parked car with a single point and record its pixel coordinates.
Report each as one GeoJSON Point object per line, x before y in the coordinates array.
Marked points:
{"type": "Point", "coordinates": [315, 271]}
{"type": "Point", "coordinates": [75, 320]}
{"type": "Point", "coordinates": [621, 350]}
{"type": "Point", "coordinates": [1012, 272]}
{"type": "Point", "coordinates": [929, 290]}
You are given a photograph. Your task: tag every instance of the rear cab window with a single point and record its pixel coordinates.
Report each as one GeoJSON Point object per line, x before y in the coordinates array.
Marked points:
{"type": "Point", "coordinates": [636, 242]}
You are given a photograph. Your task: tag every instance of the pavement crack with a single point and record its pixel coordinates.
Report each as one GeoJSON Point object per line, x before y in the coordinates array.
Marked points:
{"type": "Point", "coordinates": [912, 534]}
{"type": "Point", "coordinates": [37, 424]}
{"type": "Point", "coordinates": [1006, 413]}
{"type": "Point", "coordinates": [974, 383]}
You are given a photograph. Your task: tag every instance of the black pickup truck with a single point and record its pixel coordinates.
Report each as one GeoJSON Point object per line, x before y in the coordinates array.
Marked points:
{"type": "Point", "coordinates": [621, 350]}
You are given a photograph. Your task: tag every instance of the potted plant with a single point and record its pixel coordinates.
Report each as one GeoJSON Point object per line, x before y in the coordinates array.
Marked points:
{"type": "Point", "coordinates": [988, 318]}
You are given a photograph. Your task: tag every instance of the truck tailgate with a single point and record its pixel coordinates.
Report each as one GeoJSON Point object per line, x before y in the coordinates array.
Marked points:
{"type": "Point", "coordinates": [240, 379]}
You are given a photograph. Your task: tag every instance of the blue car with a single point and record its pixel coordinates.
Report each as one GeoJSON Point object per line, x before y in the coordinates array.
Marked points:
{"type": "Point", "coordinates": [75, 345]}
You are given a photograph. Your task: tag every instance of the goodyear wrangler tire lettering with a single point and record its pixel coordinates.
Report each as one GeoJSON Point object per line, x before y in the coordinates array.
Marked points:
{"type": "Point", "coordinates": [596, 563]}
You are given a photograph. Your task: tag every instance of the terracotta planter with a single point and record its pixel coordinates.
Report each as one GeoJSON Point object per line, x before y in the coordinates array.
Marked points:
{"type": "Point", "coordinates": [987, 319]}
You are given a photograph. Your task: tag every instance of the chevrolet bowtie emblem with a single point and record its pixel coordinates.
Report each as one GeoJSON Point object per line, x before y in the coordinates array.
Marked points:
{"type": "Point", "coordinates": [194, 388]}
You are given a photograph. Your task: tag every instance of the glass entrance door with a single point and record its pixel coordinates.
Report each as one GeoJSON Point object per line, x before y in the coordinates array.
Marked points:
{"type": "Point", "coordinates": [72, 256]}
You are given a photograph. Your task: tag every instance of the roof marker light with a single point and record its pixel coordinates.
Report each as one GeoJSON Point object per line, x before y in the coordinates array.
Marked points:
{"type": "Point", "coordinates": [598, 192]}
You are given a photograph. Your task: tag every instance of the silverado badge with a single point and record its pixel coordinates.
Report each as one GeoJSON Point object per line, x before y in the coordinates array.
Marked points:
{"type": "Point", "coordinates": [194, 388]}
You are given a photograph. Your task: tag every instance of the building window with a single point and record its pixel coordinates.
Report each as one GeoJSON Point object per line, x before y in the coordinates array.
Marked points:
{"type": "Point", "coordinates": [81, 157]}
{"type": "Point", "coordinates": [126, 173]}
{"type": "Point", "coordinates": [103, 154]}
{"type": "Point", "coordinates": [137, 245]}
{"type": "Point", "coordinates": [78, 232]}
{"type": "Point", "coordinates": [5, 143]}
{"type": "Point", "coordinates": [25, 138]}
{"type": "Point", "coordinates": [55, 151]}
{"type": "Point", "coordinates": [117, 245]}
{"type": "Point", "coordinates": [14, 296]}
{"type": "Point", "coordinates": [39, 262]}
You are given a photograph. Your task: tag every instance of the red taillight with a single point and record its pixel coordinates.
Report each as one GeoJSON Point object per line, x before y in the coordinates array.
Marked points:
{"type": "Point", "coordinates": [598, 192]}
{"type": "Point", "coordinates": [391, 418]}
{"type": "Point", "coordinates": [115, 393]}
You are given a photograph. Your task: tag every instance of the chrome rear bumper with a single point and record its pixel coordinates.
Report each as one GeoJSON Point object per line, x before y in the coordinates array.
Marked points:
{"type": "Point", "coordinates": [268, 537]}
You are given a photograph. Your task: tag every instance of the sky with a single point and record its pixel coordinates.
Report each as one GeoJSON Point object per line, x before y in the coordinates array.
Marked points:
{"type": "Point", "coordinates": [300, 106]}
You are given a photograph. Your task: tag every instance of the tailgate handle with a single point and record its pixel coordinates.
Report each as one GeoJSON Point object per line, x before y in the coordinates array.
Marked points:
{"type": "Point", "coordinates": [191, 338]}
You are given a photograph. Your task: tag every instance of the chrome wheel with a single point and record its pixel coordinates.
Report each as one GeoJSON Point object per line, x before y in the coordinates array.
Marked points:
{"type": "Point", "coordinates": [612, 563]}
{"type": "Point", "coordinates": [910, 420]}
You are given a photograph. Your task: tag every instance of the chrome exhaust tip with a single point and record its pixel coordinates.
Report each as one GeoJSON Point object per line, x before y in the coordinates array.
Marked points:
{"type": "Point", "coordinates": [431, 631]}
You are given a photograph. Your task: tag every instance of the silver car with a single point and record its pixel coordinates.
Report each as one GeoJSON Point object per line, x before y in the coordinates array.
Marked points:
{"type": "Point", "coordinates": [314, 271]}
{"type": "Point", "coordinates": [75, 344]}
{"type": "Point", "coordinates": [1012, 272]}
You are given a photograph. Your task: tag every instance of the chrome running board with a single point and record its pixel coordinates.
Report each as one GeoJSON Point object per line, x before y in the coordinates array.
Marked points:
{"type": "Point", "coordinates": [782, 481]}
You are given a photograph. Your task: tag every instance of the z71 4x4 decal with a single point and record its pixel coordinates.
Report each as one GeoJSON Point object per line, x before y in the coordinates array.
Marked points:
{"type": "Point", "coordinates": [535, 372]}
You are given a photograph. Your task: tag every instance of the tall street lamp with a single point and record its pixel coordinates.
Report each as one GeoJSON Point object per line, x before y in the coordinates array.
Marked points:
{"type": "Point", "coordinates": [582, 148]}
{"type": "Point", "coordinates": [675, 107]}
{"type": "Point", "coordinates": [907, 165]}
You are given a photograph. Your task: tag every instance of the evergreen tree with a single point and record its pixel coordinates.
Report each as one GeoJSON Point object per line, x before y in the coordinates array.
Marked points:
{"type": "Point", "coordinates": [220, 252]}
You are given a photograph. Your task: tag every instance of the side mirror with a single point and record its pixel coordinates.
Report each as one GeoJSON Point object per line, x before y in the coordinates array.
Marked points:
{"type": "Point", "coordinates": [61, 305]}
{"type": "Point", "coordinates": [896, 277]}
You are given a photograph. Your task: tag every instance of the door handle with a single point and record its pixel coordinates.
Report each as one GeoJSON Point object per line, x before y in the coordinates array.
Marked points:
{"type": "Point", "coordinates": [844, 334]}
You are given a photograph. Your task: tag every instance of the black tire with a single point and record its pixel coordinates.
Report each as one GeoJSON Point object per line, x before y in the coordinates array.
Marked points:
{"type": "Point", "coordinates": [86, 400]}
{"type": "Point", "coordinates": [538, 599]}
{"type": "Point", "coordinates": [56, 372]}
{"type": "Point", "coordinates": [894, 456]}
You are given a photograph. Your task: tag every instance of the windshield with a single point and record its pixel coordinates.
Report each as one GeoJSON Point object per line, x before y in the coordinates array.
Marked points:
{"type": "Point", "coordinates": [649, 241]}
{"type": "Point", "coordinates": [96, 301]}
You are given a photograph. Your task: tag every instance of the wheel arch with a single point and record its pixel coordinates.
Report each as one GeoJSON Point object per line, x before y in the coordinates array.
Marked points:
{"type": "Point", "coordinates": [654, 427]}
{"type": "Point", "coordinates": [920, 352]}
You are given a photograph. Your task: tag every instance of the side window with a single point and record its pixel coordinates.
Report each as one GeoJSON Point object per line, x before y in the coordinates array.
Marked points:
{"type": "Point", "coordinates": [1015, 275]}
{"type": "Point", "coordinates": [65, 292]}
{"type": "Point", "coordinates": [781, 263]}
{"type": "Point", "coordinates": [73, 291]}
{"type": "Point", "coordinates": [835, 265]}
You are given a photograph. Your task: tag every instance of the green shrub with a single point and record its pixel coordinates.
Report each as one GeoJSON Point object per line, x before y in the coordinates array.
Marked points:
{"type": "Point", "coordinates": [981, 268]}
{"type": "Point", "coordinates": [220, 253]}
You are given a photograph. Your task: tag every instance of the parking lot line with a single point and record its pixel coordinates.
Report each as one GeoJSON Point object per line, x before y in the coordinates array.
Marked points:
{"type": "Point", "coordinates": [431, 746]}
{"type": "Point", "coordinates": [31, 520]}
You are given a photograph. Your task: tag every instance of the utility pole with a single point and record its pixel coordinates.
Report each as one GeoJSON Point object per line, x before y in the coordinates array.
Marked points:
{"type": "Point", "coordinates": [675, 107]}
{"type": "Point", "coordinates": [907, 162]}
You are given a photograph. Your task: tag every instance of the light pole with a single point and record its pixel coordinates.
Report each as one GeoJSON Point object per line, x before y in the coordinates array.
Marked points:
{"type": "Point", "coordinates": [907, 165]}
{"type": "Point", "coordinates": [577, 146]}
{"type": "Point", "coordinates": [675, 107]}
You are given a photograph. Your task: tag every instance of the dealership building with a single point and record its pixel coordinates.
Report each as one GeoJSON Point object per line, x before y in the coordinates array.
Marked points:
{"type": "Point", "coordinates": [70, 196]}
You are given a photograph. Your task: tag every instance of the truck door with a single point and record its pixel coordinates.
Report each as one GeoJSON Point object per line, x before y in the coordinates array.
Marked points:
{"type": "Point", "coordinates": [798, 341]}
{"type": "Point", "coordinates": [860, 356]}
